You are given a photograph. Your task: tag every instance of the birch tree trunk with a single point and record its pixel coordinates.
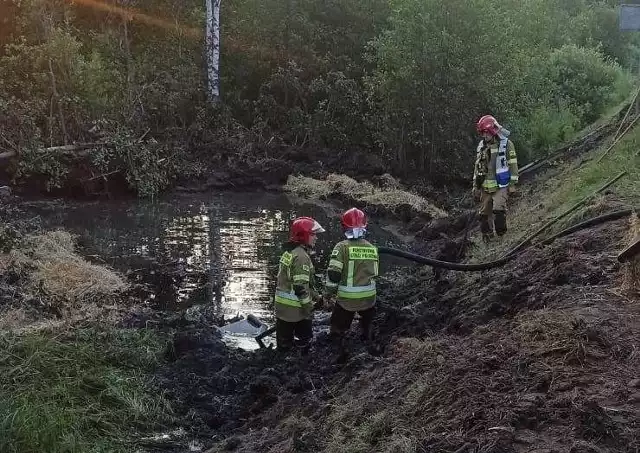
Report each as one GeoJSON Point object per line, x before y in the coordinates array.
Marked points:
{"type": "Point", "coordinates": [212, 42]}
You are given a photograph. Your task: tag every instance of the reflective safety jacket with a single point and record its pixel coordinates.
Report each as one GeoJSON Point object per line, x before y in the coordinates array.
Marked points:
{"type": "Point", "coordinates": [484, 172]}
{"type": "Point", "coordinates": [352, 273]}
{"type": "Point", "coordinates": [295, 288]}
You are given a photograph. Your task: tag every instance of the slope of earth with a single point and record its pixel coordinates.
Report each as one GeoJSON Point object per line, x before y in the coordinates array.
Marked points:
{"type": "Point", "coordinates": [540, 355]}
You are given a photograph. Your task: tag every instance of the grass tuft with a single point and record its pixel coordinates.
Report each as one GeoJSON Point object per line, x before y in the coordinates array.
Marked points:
{"type": "Point", "coordinates": [80, 392]}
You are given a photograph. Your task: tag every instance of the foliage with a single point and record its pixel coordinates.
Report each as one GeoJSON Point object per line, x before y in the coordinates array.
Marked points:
{"type": "Point", "coordinates": [403, 78]}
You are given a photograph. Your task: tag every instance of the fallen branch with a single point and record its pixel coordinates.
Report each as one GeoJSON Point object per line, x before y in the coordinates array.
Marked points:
{"type": "Point", "coordinates": [63, 149]}
{"type": "Point", "coordinates": [144, 135]}
{"type": "Point", "coordinates": [104, 175]}
{"type": "Point", "coordinates": [76, 147]}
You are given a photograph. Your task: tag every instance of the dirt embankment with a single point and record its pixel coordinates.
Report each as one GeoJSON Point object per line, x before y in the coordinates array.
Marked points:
{"type": "Point", "coordinates": [269, 166]}
{"type": "Point", "coordinates": [540, 355]}
{"type": "Point", "coordinates": [537, 356]}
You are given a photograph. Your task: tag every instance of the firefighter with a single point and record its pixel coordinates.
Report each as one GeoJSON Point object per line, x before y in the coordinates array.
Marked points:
{"type": "Point", "coordinates": [495, 176]}
{"type": "Point", "coordinates": [351, 278]}
{"type": "Point", "coordinates": [295, 289]}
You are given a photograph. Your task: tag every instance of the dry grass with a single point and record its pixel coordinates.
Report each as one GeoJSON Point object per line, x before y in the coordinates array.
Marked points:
{"type": "Point", "coordinates": [343, 187]}
{"type": "Point", "coordinates": [48, 263]}
{"type": "Point", "coordinates": [631, 269]}
{"type": "Point", "coordinates": [552, 333]}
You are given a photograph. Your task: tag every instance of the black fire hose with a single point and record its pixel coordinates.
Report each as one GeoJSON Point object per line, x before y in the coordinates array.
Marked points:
{"type": "Point", "coordinates": [589, 223]}
{"type": "Point", "coordinates": [444, 264]}
{"type": "Point", "coordinates": [509, 256]}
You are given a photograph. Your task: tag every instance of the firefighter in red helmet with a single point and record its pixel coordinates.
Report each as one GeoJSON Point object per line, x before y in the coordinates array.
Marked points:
{"type": "Point", "coordinates": [351, 278]}
{"type": "Point", "coordinates": [295, 287]}
{"type": "Point", "coordinates": [495, 175]}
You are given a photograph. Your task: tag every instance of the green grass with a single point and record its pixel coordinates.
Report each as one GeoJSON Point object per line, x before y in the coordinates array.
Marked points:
{"type": "Point", "coordinates": [575, 184]}
{"type": "Point", "coordinates": [86, 391]}
{"type": "Point", "coordinates": [554, 196]}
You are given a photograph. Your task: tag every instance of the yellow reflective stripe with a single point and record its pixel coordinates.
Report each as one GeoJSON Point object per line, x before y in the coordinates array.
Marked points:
{"type": "Point", "coordinates": [514, 178]}
{"type": "Point", "coordinates": [301, 278]}
{"type": "Point", "coordinates": [375, 268]}
{"type": "Point", "coordinates": [336, 264]}
{"type": "Point", "coordinates": [490, 184]}
{"type": "Point", "coordinates": [286, 259]}
{"type": "Point", "coordinates": [357, 292]}
{"type": "Point", "coordinates": [293, 303]}
{"type": "Point", "coordinates": [290, 303]}
{"type": "Point", "coordinates": [513, 161]}
{"type": "Point", "coordinates": [291, 300]}
{"type": "Point", "coordinates": [285, 298]}
{"type": "Point", "coordinates": [363, 253]}
{"type": "Point", "coordinates": [350, 273]}
{"type": "Point", "coordinates": [331, 284]}
{"type": "Point", "coordinates": [357, 296]}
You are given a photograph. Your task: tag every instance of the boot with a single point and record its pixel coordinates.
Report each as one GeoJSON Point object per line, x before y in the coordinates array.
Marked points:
{"type": "Point", "coordinates": [303, 348]}
{"type": "Point", "coordinates": [485, 228]}
{"type": "Point", "coordinates": [367, 333]}
{"type": "Point", "coordinates": [500, 222]}
{"type": "Point", "coordinates": [339, 344]}
{"type": "Point", "coordinates": [368, 336]}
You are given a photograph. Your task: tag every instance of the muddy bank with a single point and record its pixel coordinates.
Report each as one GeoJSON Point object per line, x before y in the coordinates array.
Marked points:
{"type": "Point", "coordinates": [261, 167]}
{"type": "Point", "coordinates": [218, 392]}
{"type": "Point", "coordinates": [537, 354]}
{"type": "Point", "coordinates": [267, 167]}
{"type": "Point", "coordinates": [554, 276]}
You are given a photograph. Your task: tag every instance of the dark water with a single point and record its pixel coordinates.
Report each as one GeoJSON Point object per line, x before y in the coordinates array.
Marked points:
{"type": "Point", "coordinates": [218, 249]}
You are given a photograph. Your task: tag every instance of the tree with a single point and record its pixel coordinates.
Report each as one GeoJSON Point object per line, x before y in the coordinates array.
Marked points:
{"type": "Point", "coordinates": [212, 43]}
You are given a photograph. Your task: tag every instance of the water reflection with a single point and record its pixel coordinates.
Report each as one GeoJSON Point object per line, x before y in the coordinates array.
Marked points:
{"type": "Point", "coordinates": [217, 250]}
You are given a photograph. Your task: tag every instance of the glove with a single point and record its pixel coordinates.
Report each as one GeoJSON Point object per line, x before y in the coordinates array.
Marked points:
{"type": "Point", "coordinates": [328, 302]}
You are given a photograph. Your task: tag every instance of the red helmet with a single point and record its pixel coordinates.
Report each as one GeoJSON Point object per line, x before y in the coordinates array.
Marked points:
{"type": "Point", "coordinates": [488, 124]}
{"type": "Point", "coordinates": [302, 228]}
{"type": "Point", "coordinates": [354, 218]}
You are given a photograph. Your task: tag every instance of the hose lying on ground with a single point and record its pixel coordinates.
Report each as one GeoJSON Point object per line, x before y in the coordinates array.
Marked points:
{"type": "Point", "coordinates": [474, 267]}
{"type": "Point", "coordinates": [527, 241]}
{"type": "Point", "coordinates": [501, 261]}
{"type": "Point", "coordinates": [445, 264]}
{"type": "Point", "coordinates": [589, 223]}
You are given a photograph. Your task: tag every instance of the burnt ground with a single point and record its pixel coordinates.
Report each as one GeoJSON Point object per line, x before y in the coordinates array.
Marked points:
{"type": "Point", "coordinates": [538, 356]}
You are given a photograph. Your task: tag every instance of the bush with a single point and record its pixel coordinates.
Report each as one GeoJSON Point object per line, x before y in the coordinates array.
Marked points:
{"type": "Point", "coordinates": [547, 126]}
{"type": "Point", "coordinates": [584, 79]}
